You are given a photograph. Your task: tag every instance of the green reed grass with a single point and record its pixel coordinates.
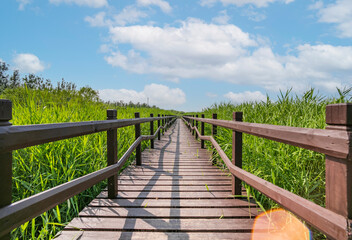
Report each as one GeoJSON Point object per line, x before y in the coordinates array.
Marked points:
{"type": "Point", "coordinates": [295, 169]}
{"type": "Point", "coordinates": [42, 167]}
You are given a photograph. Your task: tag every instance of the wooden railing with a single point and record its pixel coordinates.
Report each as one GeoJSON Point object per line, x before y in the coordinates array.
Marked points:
{"type": "Point", "coordinates": [335, 142]}
{"type": "Point", "coordinates": [12, 215]}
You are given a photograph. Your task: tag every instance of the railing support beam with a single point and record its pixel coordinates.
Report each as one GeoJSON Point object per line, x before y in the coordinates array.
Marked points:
{"type": "Point", "coordinates": [151, 132]}
{"type": "Point", "coordinates": [5, 161]}
{"type": "Point", "coordinates": [338, 171]}
{"type": "Point", "coordinates": [192, 125]}
{"type": "Point", "coordinates": [214, 131]}
{"type": "Point", "coordinates": [237, 154]}
{"type": "Point", "coordinates": [196, 127]}
{"type": "Point", "coordinates": [112, 154]}
{"type": "Point", "coordinates": [163, 124]}
{"type": "Point", "coordinates": [158, 127]}
{"type": "Point", "coordinates": [202, 132]}
{"type": "Point", "coordinates": [137, 134]}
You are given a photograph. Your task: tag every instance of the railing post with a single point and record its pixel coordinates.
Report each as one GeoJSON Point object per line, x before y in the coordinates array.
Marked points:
{"type": "Point", "coordinates": [338, 171]}
{"type": "Point", "coordinates": [189, 122]}
{"type": "Point", "coordinates": [214, 131]}
{"type": "Point", "coordinates": [196, 127]}
{"type": "Point", "coordinates": [202, 132]}
{"type": "Point", "coordinates": [5, 161]}
{"type": "Point", "coordinates": [138, 148]}
{"type": "Point", "coordinates": [163, 123]}
{"type": "Point", "coordinates": [112, 154]}
{"type": "Point", "coordinates": [151, 132]}
{"type": "Point", "coordinates": [237, 154]}
{"type": "Point", "coordinates": [215, 128]}
{"type": "Point", "coordinates": [158, 127]}
{"type": "Point", "coordinates": [192, 125]}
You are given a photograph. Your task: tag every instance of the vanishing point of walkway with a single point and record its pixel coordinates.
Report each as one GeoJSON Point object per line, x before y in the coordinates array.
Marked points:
{"type": "Point", "coordinates": [175, 194]}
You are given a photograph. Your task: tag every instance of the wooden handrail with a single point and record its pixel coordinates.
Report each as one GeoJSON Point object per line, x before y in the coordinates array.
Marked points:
{"type": "Point", "coordinates": [12, 215]}
{"type": "Point", "coordinates": [16, 137]}
{"type": "Point", "coordinates": [332, 142]}
{"type": "Point", "coordinates": [335, 142]}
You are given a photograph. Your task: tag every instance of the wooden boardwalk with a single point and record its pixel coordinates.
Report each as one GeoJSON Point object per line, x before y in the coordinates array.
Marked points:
{"type": "Point", "coordinates": [175, 194]}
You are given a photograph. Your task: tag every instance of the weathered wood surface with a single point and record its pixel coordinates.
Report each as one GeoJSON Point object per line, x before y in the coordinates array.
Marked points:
{"type": "Point", "coordinates": [175, 194]}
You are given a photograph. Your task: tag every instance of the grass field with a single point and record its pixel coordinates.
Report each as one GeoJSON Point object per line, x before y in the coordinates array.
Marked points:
{"type": "Point", "coordinates": [42, 167]}
{"type": "Point", "coordinates": [38, 168]}
{"type": "Point", "coordinates": [294, 169]}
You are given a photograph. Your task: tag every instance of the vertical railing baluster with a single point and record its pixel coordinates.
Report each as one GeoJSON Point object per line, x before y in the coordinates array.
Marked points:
{"type": "Point", "coordinates": [338, 171]}
{"type": "Point", "coordinates": [192, 125]}
{"type": "Point", "coordinates": [163, 124]}
{"type": "Point", "coordinates": [5, 161]}
{"type": "Point", "coordinates": [137, 135]}
{"type": "Point", "coordinates": [196, 127]}
{"type": "Point", "coordinates": [237, 154]}
{"type": "Point", "coordinates": [214, 131]}
{"type": "Point", "coordinates": [202, 132]}
{"type": "Point", "coordinates": [152, 131]}
{"type": "Point", "coordinates": [158, 127]}
{"type": "Point", "coordinates": [112, 154]}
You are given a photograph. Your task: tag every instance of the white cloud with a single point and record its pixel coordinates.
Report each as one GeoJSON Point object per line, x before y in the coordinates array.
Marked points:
{"type": "Point", "coordinates": [98, 20]}
{"type": "Point", "coordinates": [329, 86]}
{"type": "Point", "coordinates": [339, 13]}
{"type": "Point", "coordinates": [129, 14]}
{"type": "Point", "coordinates": [158, 94]}
{"type": "Point", "coordinates": [22, 4]}
{"type": "Point", "coordinates": [246, 96]}
{"type": "Point", "coordinates": [253, 15]}
{"type": "Point", "coordinates": [88, 3]}
{"type": "Point", "coordinates": [163, 5]}
{"type": "Point", "coordinates": [223, 18]}
{"type": "Point", "coordinates": [28, 63]}
{"type": "Point", "coordinates": [239, 3]}
{"type": "Point", "coordinates": [316, 6]}
{"type": "Point", "coordinates": [182, 52]}
{"type": "Point", "coordinates": [196, 49]}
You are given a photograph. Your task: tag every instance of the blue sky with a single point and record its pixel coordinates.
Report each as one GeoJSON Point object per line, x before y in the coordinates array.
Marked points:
{"type": "Point", "coordinates": [182, 54]}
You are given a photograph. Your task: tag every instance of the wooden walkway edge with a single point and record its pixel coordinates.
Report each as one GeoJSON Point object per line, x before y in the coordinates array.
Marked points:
{"type": "Point", "coordinates": [175, 194]}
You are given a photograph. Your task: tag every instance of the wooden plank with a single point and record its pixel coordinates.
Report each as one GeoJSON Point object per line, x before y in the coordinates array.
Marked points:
{"type": "Point", "coordinates": [181, 203]}
{"type": "Point", "coordinates": [146, 212]}
{"type": "Point", "coordinates": [169, 195]}
{"type": "Point", "coordinates": [173, 168]}
{"type": "Point", "coordinates": [179, 174]}
{"type": "Point", "coordinates": [184, 156]}
{"type": "Point", "coordinates": [180, 166]}
{"type": "Point", "coordinates": [152, 224]}
{"type": "Point", "coordinates": [139, 235]}
{"type": "Point", "coordinates": [170, 182]}
{"type": "Point", "coordinates": [171, 188]}
{"type": "Point", "coordinates": [180, 178]}
{"type": "Point", "coordinates": [178, 163]}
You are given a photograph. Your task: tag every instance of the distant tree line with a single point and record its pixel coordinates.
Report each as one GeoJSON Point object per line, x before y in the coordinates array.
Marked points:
{"type": "Point", "coordinates": [14, 80]}
{"type": "Point", "coordinates": [11, 81]}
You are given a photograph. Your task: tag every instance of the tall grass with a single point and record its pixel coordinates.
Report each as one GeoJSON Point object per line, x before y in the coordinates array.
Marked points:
{"type": "Point", "coordinates": [295, 169]}
{"type": "Point", "coordinates": [42, 167]}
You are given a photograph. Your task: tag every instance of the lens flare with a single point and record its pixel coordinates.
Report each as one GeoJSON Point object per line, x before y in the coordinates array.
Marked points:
{"type": "Point", "coordinates": [279, 224]}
